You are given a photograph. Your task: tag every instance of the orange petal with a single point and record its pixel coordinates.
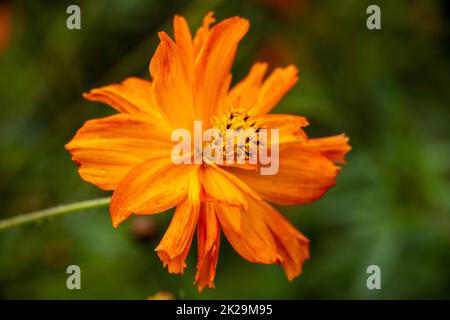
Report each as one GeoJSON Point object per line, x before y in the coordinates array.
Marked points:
{"type": "Point", "coordinates": [274, 88]}
{"type": "Point", "coordinates": [106, 149]}
{"type": "Point", "coordinates": [172, 83]}
{"type": "Point", "coordinates": [254, 242]}
{"type": "Point", "coordinates": [151, 187]}
{"type": "Point", "coordinates": [133, 95]}
{"type": "Point", "coordinates": [208, 239]}
{"type": "Point", "coordinates": [237, 182]}
{"type": "Point", "coordinates": [292, 246]}
{"type": "Point", "coordinates": [202, 33]}
{"type": "Point", "coordinates": [174, 247]}
{"type": "Point", "coordinates": [213, 64]}
{"type": "Point", "coordinates": [219, 188]}
{"type": "Point", "coordinates": [183, 39]}
{"type": "Point", "coordinates": [230, 217]}
{"type": "Point", "coordinates": [245, 93]}
{"type": "Point", "coordinates": [289, 126]}
{"type": "Point", "coordinates": [304, 176]}
{"type": "Point", "coordinates": [334, 148]}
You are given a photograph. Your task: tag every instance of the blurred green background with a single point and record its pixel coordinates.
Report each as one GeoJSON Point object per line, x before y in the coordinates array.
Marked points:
{"type": "Point", "coordinates": [387, 89]}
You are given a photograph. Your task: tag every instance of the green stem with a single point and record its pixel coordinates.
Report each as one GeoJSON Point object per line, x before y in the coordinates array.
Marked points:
{"type": "Point", "coordinates": [53, 212]}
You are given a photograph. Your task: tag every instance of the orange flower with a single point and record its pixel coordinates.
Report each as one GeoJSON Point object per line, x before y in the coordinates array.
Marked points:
{"type": "Point", "coordinates": [130, 153]}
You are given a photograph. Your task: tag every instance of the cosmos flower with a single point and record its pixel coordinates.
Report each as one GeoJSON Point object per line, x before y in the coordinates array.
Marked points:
{"type": "Point", "coordinates": [130, 153]}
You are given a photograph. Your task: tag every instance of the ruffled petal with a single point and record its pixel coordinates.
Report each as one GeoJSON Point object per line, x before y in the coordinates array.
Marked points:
{"type": "Point", "coordinates": [291, 244]}
{"type": "Point", "coordinates": [304, 176]}
{"type": "Point", "coordinates": [213, 64]}
{"type": "Point", "coordinates": [132, 96]}
{"type": "Point", "coordinates": [183, 38]}
{"type": "Point", "coordinates": [267, 237]}
{"type": "Point", "coordinates": [107, 149]}
{"type": "Point", "coordinates": [208, 241]}
{"type": "Point", "coordinates": [244, 94]}
{"type": "Point", "coordinates": [151, 187]}
{"type": "Point", "coordinates": [174, 246]}
{"type": "Point", "coordinates": [172, 82]}
{"type": "Point", "coordinates": [274, 88]}
{"type": "Point", "coordinates": [230, 217]}
{"type": "Point", "coordinates": [203, 32]}
{"type": "Point", "coordinates": [254, 242]}
{"type": "Point", "coordinates": [219, 188]}
{"type": "Point", "coordinates": [334, 147]}
{"type": "Point", "coordinates": [289, 126]}
{"type": "Point", "coordinates": [254, 97]}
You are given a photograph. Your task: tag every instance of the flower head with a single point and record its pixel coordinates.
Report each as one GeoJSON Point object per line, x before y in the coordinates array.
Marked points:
{"type": "Point", "coordinates": [131, 152]}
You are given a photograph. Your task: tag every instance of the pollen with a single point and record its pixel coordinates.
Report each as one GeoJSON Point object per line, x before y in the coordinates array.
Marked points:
{"type": "Point", "coordinates": [239, 135]}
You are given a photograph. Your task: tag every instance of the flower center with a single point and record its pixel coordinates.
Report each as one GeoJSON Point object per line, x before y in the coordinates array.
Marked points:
{"type": "Point", "coordinates": [238, 135]}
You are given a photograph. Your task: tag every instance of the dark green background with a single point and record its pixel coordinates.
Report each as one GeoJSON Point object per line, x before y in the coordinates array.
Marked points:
{"type": "Point", "coordinates": [387, 89]}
